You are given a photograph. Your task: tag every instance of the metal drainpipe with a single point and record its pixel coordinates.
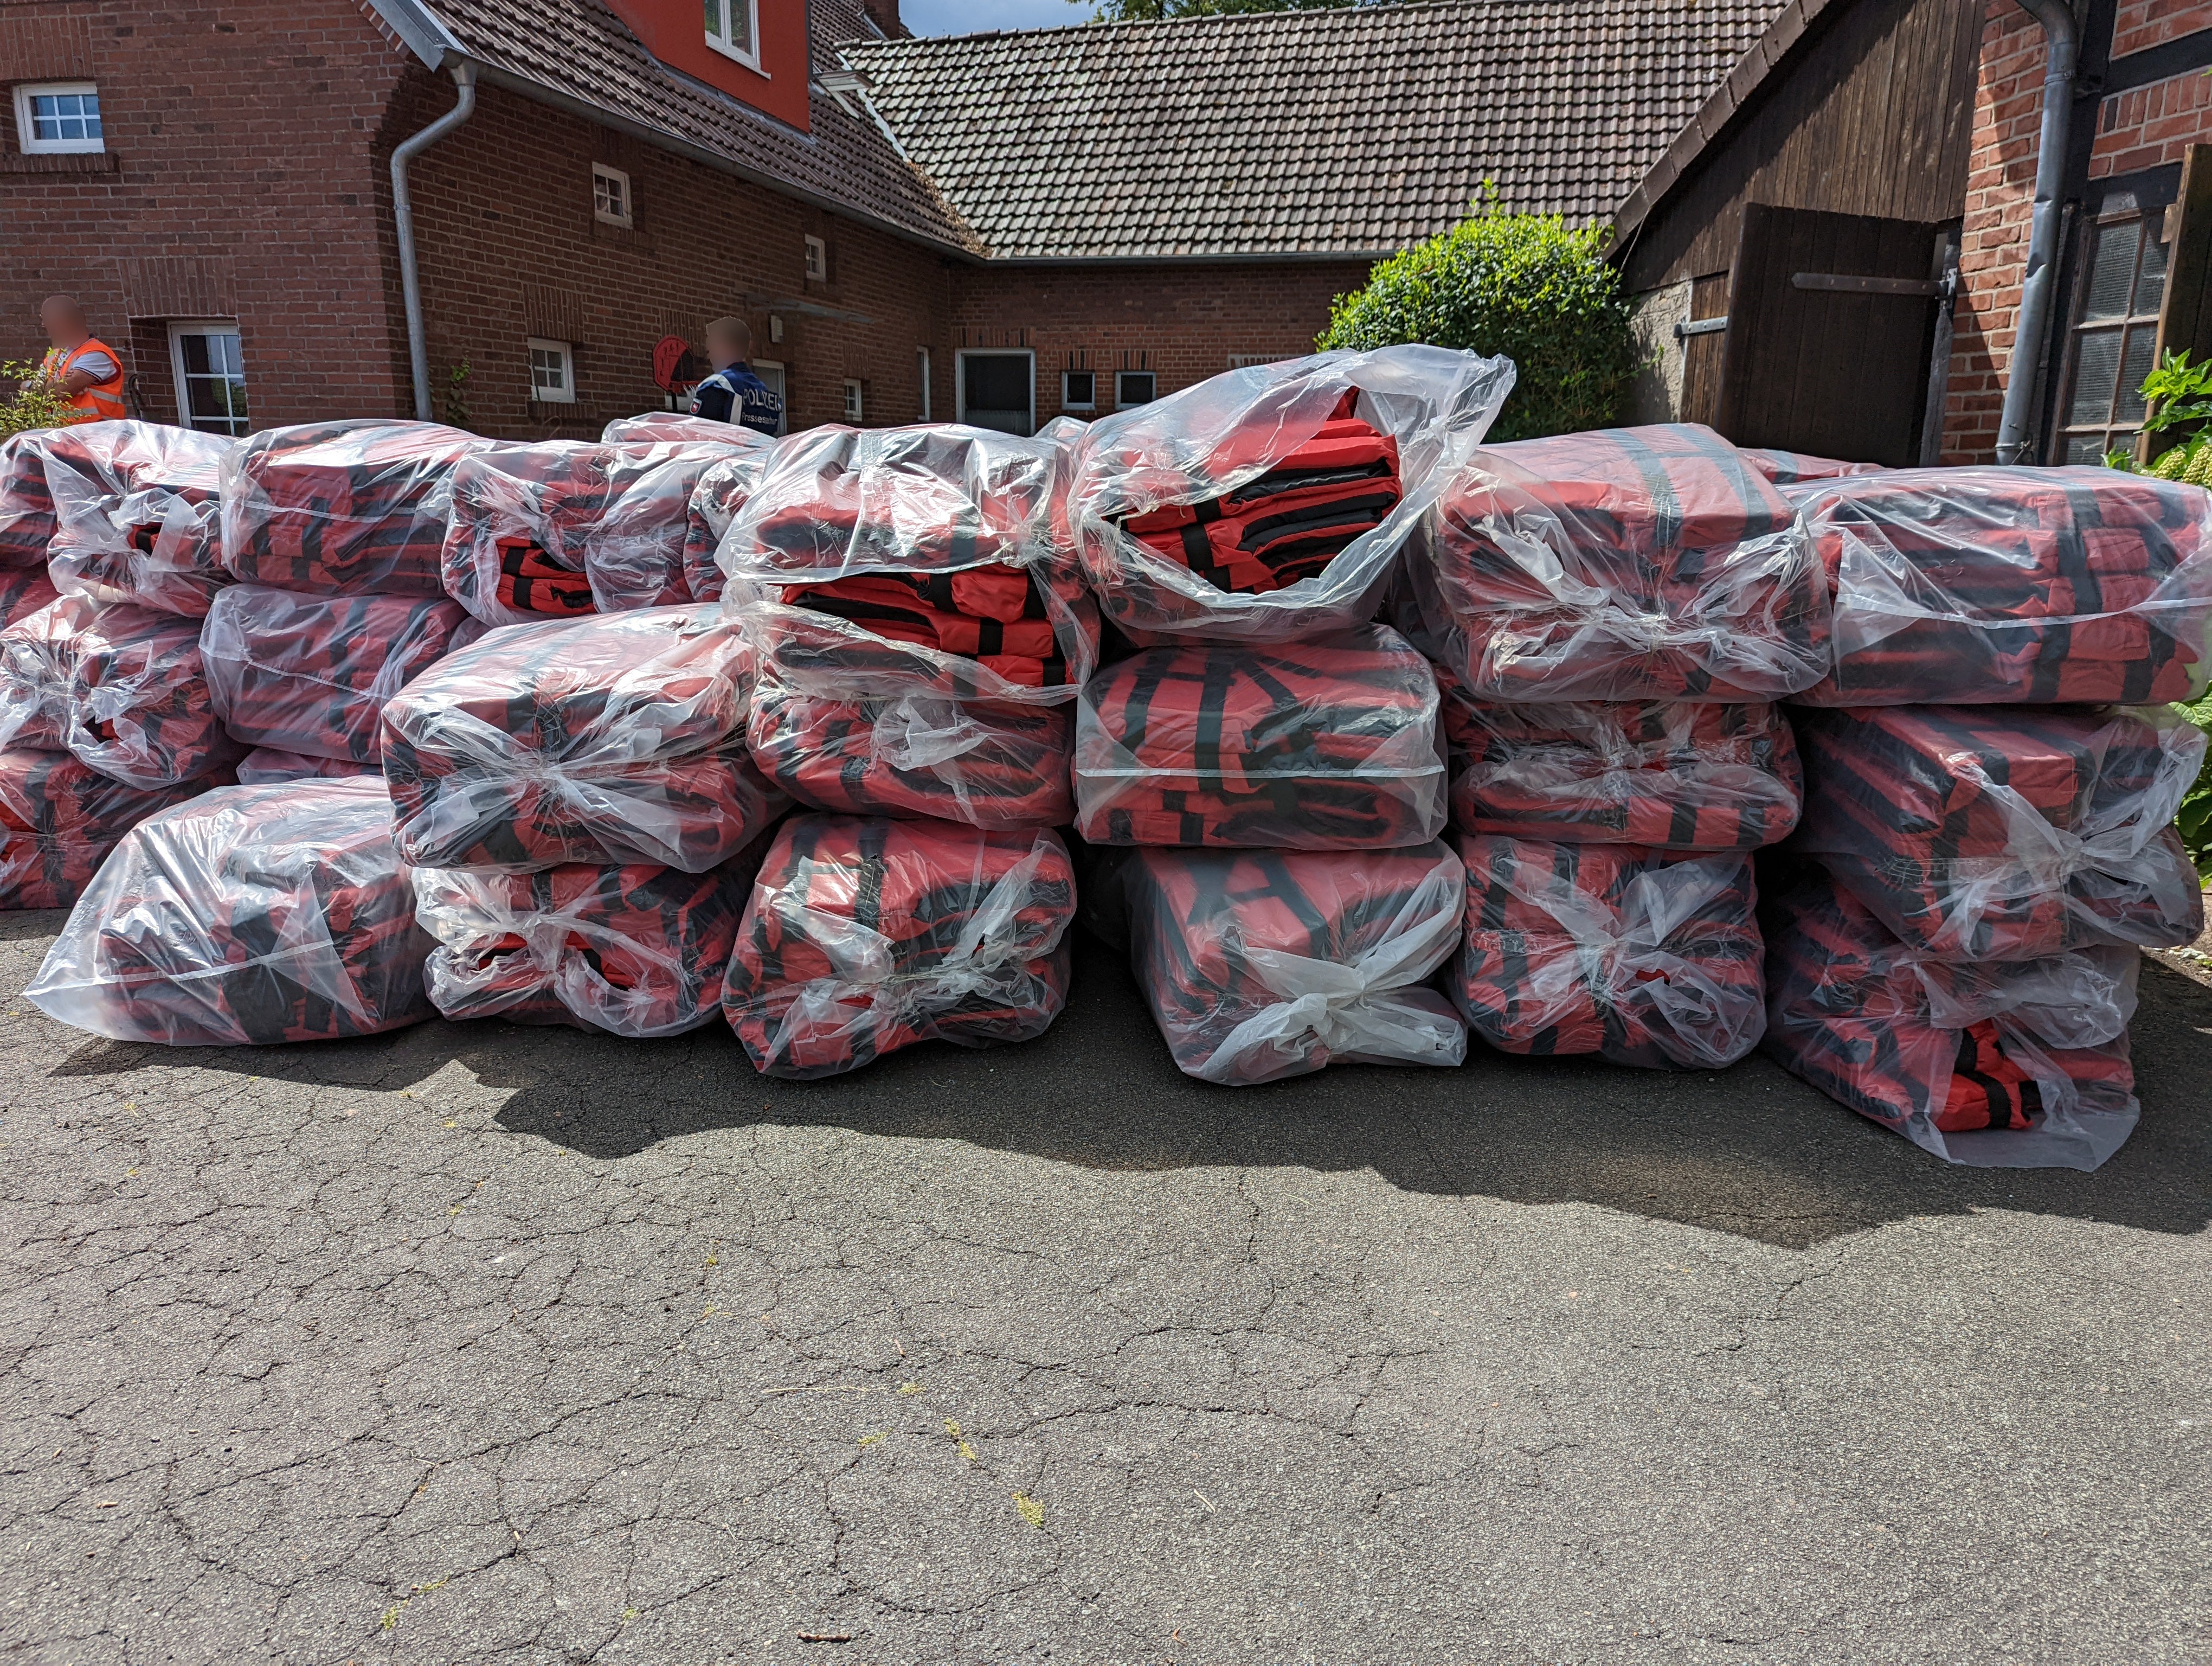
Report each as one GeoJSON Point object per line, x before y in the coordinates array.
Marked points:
{"type": "Point", "coordinates": [402, 215]}
{"type": "Point", "coordinates": [2057, 21]}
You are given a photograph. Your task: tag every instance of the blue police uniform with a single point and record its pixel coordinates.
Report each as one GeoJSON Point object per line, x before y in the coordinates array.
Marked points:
{"type": "Point", "coordinates": [736, 395]}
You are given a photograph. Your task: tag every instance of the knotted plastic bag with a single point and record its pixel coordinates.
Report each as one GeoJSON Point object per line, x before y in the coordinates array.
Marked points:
{"type": "Point", "coordinates": [135, 518]}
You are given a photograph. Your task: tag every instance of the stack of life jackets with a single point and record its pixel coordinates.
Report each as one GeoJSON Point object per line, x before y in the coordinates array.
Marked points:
{"type": "Point", "coordinates": [1996, 1063]}
{"type": "Point", "coordinates": [1642, 956]}
{"type": "Point", "coordinates": [1982, 585]}
{"type": "Point", "coordinates": [1261, 965]}
{"type": "Point", "coordinates": [26, 505]}
{"type": "Point", "coordinates": [1795, 468]}
{"type": "Point", "coordinates": [248, 915]}
{"type": "Point", "coordinates": [721, 491]}
{"type": "Point", "coordinates": [135, 514]}
{"type": "Point", "coordinates": [266, 764]}
{"type": "Point", "coordinates": [59, 817]}
{"type": "Point", "coordinates": [865, 935]}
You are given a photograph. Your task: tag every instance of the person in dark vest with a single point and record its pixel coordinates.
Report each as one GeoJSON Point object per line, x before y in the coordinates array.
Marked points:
{"type": "Point", "coordinates": [86, 372]}
{"type": "Point", "coordinates": [733, 394]}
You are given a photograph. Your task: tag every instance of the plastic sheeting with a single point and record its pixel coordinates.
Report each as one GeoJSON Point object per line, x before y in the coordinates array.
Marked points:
{"type": "Point", "coordinates": [135, 514]}
{"type": "Point", "coordinates": [720, 492]}
{"type": "Point", "coordinates": [351, 509]}
{"type": "Point", "coordinates": [985, 762]}
{"type": "Point", "coordinates": [1979, 834]}
{"type": "Point", "coordinates": [124, 688]}
{"type": "Point", "coordinates": [866, 936]}
{"type": "Point", "coordinates": [1982, 585]}
{"type": "Point", "coordinates": [1797, 468]}
{"type": "Point", "coordinates": [1254, 447]}
{"type": "Point", "coordinates": [2021, 1064]}
{"type": "Point", "coordinates": [27, 507]}
{"type": "Point", "coordinates": [1267, 964]}
{"type": "Point", "coordinates": [264, 765]}
{"type": "Point", "coordinates": [1641, 563]}
{"type": "Point", "coordinates": [23, 592]}
{"type": "Point", "coordinates": [58, 819]}
{"type": "Point", "coordinates": [251, 914]}
{"type": "Point", "coordinates": [653, 427]}
{"type": "Point", "coordinates": [307, 674]}
{"type": "Point", "coordinates": [1330, 744]}
{"type": "Point", "coordinates": [609, 740]}
{"type": "Point", "coordinates": [1644, 958]}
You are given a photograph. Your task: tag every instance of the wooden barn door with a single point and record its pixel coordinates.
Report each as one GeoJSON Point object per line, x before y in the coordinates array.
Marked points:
{"type": "Point", "coordinates": [1831, 325]}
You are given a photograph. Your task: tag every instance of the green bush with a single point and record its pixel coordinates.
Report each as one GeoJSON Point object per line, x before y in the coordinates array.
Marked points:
{"type": "Point", "coordinates": [2195, 822]}
{"type": "Point", "coordinates": [1521, 284]}
{"type": "Point", "coordinates": [35, 405]}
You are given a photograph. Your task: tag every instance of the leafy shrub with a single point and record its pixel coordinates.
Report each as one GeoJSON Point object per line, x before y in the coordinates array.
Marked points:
{"type": "Point", "coordinates": [2195, 822]}
{"type": "Point", "coordinates": [36, 405]}
{"type": "Point", "coordinates": [1521, 284]}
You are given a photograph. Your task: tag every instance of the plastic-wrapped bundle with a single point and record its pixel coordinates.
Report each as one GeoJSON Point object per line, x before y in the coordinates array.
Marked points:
{"type": "Point", "coordinates": [1795, 468]}
{"type": "Point", "coordinates": [1640, 563]}
{"type": "Point", "coordinates": [350, 508]}
{"type": "Point", "coordinates": [1979, 834]}
{"type": "Point", "coordinates": [864, 936]}
{"type": "Point", "coordinates": [721, 491]}
{"type": "Point", "coordinates": [23, 592]}
{"type": "Point", "coordinates": [1269, 504]}
{"type": "Point", "coordinates": [655, 426]}
{"type": "Point", "coordinates": [251, 914]}
{"type": "Point", "coordinates": [1992, 585]}
{"type": "Point", "coordinates": [58, 819]}
{"type": "Point", "coordinates": [2017, 1064]}
{"type": "Point", "coordinates": [1642, 956]}
{"type": "Point", "coordinates": [1330, 744]}
{"type": "Point", "coordinates": [136, 516]}
{"type": "Point", "coordinates": [608, 741]}
{"type": "Point", "coordinates": [1261, 964]}
{"type": "Point", "coordinates": [986, 763]}
{"type": "Point", "coordinates": [27, 507]}
{"type": "Point", "coordinates": [637, 951]}
{"type": "Point", "coordinates": [265, 766]}
{"type": "Point", "coordinates": [124, 688]}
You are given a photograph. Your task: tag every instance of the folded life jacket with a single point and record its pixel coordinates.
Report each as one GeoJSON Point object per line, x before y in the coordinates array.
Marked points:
{"type": "Point", "coordinates": [864, 936]}
{"type": "Point", "coordinates": [637, 951]}
{"type": "Point", "coordinates": [124, 687]}
{"type": "Point", "coordinates": [719, 493]}
{"type": "Point", "coordinates": [610, 740]}
{"type": "Point", "coordinates": [248, 915]}
{"type": "Point", "coordinates": [135, 510]}
{"type": "Point", "coordinates": [988, 764]}
{"type": "Point", "coordinates": [1797, 468]}
{"type": "Point", "coordinates": [311, 674]}
{"type": "Point", "coordinates": [1642, 563]}
{"type": "Point", "coordinates": [1329, 745]}
{"type": "Point", "coordinates": [1642, 956]}
{"type": "Point", "coordinates": [1980, 834]}
{"type": "Point", "coordinates": [265, 766]}
{"type": "Point", "coordinates": [2011, 1064]}
{"type": "Point", "coordinates": [23, 592]}
{"type": "Point", "coordinates": [58, 819]}
{"type": "Point", "coordinates": [1260, 964]}
{"type": "Point", "coordinates": [1984, 585]}
{"type": "Point", "coordinates": [994, 615]}
{"type": "Point", "coordinates": [27, 505]}
{"type": "Point", "coordinates": [347, 509]}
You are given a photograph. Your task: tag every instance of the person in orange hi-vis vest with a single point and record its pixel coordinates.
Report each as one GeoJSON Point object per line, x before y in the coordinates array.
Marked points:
{"type": "Point", "coordinates": [85, 370]}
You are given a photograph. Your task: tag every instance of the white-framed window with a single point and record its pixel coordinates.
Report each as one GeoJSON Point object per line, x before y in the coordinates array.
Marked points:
{"type": "Point", "coordinates": [921, 370]}
{"type": "Point", "coordinates": [53, 118]}
{"type": "Point", "coordinates": [610, 199]}
{"type": "Point", "coordinates": [853, 400]}
{"type": "Point", "coordinates": [1134, 387]}
{"type": "Point", "coordinates": [209, 371]}
{"type": "Point", "coordinates": [1079, 390]}
{"type": "Point", "coordinates": [734, 30]}
{"type": "Point", "coordinates": [552, 372]}
{"type": "Point", "coordinates": [817, 259]}
{"type": "Point", "coordinates": [772, 374]}
{"type": "Point", "coordinates": [997, 389]}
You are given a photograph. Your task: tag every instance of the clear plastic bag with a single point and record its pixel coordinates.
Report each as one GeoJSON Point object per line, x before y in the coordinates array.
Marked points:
{"type": "Point", "coordinates": [2004, 586]}
{"type": "Point", "coordinates": [655, 426]}
{"type": "Point", "coordinates": [27, 507]}
{"type": "Point", "coordinates": [607, 740]}
{"type": "Point", "coordinates": [721, 491]}
{"type": "Point", "coordinates": [135, 514]}
{"type": "Point", "coordinates": [866, 936]}
{"type": "Point", "coordinates": [125, 688]}
{"type": "Point", "coordinates": [1979, 834]}
{"type": "Point", "coordinates": [1797, 468]}
{"type": "Point", "coordinates": [248, 915]}
{"type": "Point", "coordinates": [23, 592]}
{"type": "Point", "coordinates": [1270, 476]}
{"type": "Point", "coordinates": [2018, 1064]}
{"type": "Point", "coordinates": [1642, 956]}
{"type": "Point", "coordinates": [1262, 965]}
{"type": "Point", "coordinates": [58, 819]}
{"type": "Point", "coordinates": [1641, 563]}
{"type": "Point", "coordinates": [265, 766]}
{"type": "Point", "coordinates": [1329, 745]}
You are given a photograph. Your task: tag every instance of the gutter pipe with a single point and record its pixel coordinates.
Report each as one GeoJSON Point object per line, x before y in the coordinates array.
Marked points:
{"type": "Point", "coordinates": [2032, 323]}
{"type": "Point", "coordinates": [403, 215]}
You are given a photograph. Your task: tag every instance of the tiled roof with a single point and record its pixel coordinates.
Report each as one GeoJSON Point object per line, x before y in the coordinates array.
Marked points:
{"type": "Point", "coordinates": [1339, 132]}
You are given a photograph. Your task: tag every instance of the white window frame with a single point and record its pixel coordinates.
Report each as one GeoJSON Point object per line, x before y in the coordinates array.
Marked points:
{"type": "Point", "coordinates": [818, 260]}
{"type": "Point", "coordinates": [620, 180]}
{"type": "Point", "coordinates": [747, 56]}
{"type": "Point", "coordinates": [180, 328]}
{"type": "Point", "coordinates": [26, 129]}
{"type": "Point", "coordinates": [1121, 403]}
{"type": "Point", "coordinates": [763, 369]}
{"type": "Point", "coordinates": [921, 358]}
{"type": "Point", "coordinates": [856, 400]}
{"type": "Point", "coordinates": [566, 395]}
{"type": "Point", "coordinates": [1067, 402]}
{"type": "Point", "coordinates": [960, 377]}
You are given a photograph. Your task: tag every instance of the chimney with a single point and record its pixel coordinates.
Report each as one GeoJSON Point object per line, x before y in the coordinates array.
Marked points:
{"type": "Point", "coordinates": [884, 14]}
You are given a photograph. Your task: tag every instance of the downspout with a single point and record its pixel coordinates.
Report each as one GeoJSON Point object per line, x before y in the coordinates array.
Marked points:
{"type": "Point", "coordinates": [403, 215]}
{"type": "Point", "coordinates": [2034, 322]}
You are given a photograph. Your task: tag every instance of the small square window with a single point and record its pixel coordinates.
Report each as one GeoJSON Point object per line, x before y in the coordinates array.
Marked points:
{"type": "Point", "coordinates": [55, 117]}
{"type": "Point", "coordinates": [1134, 387]}
{"type": "Point", "coordinates": [817, 259]}
{"type": "Point", "coordinates": [732, 27]}
{"type": "Point", "coordinates": [852, 401]}
{"type": "Point", "coordinates": [552, 373]}
{"type": "Point", "coordinates": [610, 195]}
{"type": "Point", "coordinates": [1079, 390]}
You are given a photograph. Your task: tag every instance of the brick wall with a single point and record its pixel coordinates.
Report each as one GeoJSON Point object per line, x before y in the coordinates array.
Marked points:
{"type": "Point", "coordinates": [2139, 24]}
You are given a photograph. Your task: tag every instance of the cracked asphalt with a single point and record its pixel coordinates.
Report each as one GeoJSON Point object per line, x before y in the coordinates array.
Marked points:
{"type": "Point", "coordinates": [480, 1343]}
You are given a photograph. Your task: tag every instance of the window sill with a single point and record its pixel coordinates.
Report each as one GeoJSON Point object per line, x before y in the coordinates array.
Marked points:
{"type": "Point", "coordinates": [61, 161]}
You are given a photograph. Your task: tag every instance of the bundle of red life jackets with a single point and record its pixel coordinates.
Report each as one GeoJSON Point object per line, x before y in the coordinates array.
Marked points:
{"type": "Point", "coordinates": [613, 740]}
{"type": "Point", "coordinates": [1642, 956]}
{"type": "Point", "coordinates": [864, 936]}
{"type": "Point", "coordinates": [720, 493]}
{"type": "Point", "coordinates": [655, 426]}
{"type": "Point", "coordinates": [346, 508]}
{"type": "Point", "coordinates": [26, 505]}
{"type": "Point", "coordinates": [2010, 1063]}
{"type": "Point", "coordinates": [23, 592]}
{"type": "Point", "coordinates": [135, 514]}
{"type": "Point", "coordinates": [58, 819]}
{"type": "Point", "coordinates": [248, 915]}
{"type": "Point", "coordinates": [303, 674]}
{"type": "Point", "coordinates": [1980, 834]}
{"type": "Point", "coordinates": [1260, 964]}
{"type": "Point", "coordinates": [2004, 585]}
{"type": "Point", "coordinates": [1329, 745]}
{"type": "Point", "coordinates": [1643, 564]}
{"type": "Point", "coordinates": [266, 764]}
{"type": "Point", "coordinates": [1795, 468]}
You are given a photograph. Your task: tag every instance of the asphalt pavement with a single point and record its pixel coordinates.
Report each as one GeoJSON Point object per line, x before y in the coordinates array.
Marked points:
{"type": "Point", "coordinates": [489, 1344]}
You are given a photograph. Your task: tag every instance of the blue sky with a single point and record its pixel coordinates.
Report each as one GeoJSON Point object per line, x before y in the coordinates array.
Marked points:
{"type": "Point", "coordinates": [966, 16]}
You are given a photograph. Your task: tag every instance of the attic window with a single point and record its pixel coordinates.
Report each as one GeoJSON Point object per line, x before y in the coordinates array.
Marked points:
{"type": "Point", "coordinates": [610, 194]}
{"type": "Point", "coordinates": [817, 259]}
{"type": "Point", "coordinates": [734, 30]}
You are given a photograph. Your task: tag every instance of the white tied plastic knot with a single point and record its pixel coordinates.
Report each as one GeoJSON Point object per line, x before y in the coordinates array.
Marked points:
{"type": "Point", "coordinates": [916, 732]}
